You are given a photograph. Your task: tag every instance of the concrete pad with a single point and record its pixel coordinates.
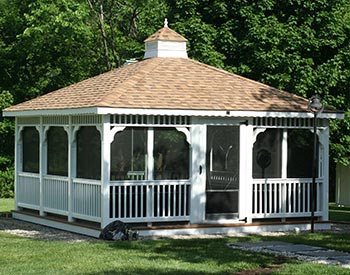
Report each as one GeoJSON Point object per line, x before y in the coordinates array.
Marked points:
{"type": "Point", "coordinates": [268, 244]}
{"type": "Point", "coordinates": [332, 254]}
{"type": "Point", "coordinates": [343, 259]}
{"type": "Point", "coordinates": [296, 248]}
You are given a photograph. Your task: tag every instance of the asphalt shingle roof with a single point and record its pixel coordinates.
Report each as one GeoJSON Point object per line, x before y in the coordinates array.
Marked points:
{"type": "Point", "coordinates": [168, 83]}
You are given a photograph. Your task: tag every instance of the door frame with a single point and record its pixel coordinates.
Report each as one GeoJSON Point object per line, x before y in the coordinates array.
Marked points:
{"type": "Point", "coordinates": [198, 185]}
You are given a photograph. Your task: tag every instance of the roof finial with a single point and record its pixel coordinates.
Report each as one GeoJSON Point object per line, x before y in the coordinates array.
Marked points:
{"type": "Point", "coordinates": [165, 22]}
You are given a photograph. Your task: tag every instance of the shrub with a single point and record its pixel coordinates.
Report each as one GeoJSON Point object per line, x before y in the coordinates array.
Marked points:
{"type": "Point", "coordinates": [7, 183]}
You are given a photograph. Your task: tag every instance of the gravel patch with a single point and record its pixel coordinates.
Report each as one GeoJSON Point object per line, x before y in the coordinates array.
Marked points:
{"type": "Point", "coordinates": [36, 231]}
{"type": "Point", "coordinates": [31, 230]}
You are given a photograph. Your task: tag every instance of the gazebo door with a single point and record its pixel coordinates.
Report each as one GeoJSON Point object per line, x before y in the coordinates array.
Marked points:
{"type": "Point", "coordinates": [222, 181]}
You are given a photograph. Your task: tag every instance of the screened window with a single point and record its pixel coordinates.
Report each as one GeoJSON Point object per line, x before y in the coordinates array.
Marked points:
{"type": "Point", "coordinates": [30, 141]}
{"type": "Point", "coordinates": [88, 153]}
{"type": "Point", "coordinates": [171, 154]}
{"type": "Point", "coordinates": [267, 154]}
{"type": "Point", "coordinates": [128, 155]}
{"type": "Point", "coordinates": [300, 153]}
{"type": "Point", "coordinates": [57, 151]}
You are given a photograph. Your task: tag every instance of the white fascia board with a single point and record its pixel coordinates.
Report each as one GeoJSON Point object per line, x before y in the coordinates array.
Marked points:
{"type": "Point", "coordinates": [172, 112]}
{"type": "Point", "coordinates": [209, 113]}
{"type": "Point", "coordinates": [59, 112]}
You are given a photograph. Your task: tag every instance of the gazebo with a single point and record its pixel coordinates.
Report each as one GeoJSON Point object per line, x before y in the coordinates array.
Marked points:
{"type": "Point", "coordinates": [171, 146]}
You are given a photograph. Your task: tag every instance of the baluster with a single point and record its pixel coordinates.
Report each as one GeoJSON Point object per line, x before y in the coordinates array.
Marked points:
{"type": "Point", "coordinates": [185, 199]}
{"type": "Point", "coordinates": [174, 200]}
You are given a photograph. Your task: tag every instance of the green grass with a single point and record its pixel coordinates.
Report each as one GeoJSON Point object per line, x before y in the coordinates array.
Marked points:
{"type": "Point", "coordinates": [166, 256]}
{"type": "Point", "coordinates": [6, 205]}
{"type": "Point", "coordinates": [336, 213]}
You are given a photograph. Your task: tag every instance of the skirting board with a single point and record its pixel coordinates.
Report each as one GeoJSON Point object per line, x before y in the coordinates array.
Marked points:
{"type": "Point", "coordinates": [168, 232]}
{"type": "Point", "coordinates": [59, 225]}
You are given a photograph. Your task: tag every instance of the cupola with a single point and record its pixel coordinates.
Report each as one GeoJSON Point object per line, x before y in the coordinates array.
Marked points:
{"type": "Point", "coordinates": [165, 43]}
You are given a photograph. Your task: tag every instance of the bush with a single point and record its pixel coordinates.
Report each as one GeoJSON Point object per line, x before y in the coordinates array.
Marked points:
{"type": "Point", "coordinates": [7, 183]}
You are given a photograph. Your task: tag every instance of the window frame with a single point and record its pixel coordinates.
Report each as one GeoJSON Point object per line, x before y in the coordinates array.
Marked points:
{"type": "Point", "coordinates": [284, 150]}
{"type": "Point", "coordinates": [150, 149]}
{"type": "Point", "coordinates": [35, 170]}
{"type": "Point", "coordinates": [48, 153]}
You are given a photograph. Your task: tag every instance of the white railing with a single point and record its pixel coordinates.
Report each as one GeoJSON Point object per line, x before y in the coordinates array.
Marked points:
{"type": "Point", "coordinates": [86, 198]}
{"type": "Point", "coordinates": [28, 190]}
{"type": "Point", "coordinates": [85, 195]}
{"type": "Point", "coordinates": [144, 201]}
{"type": "Point", "coordinates": [55, 194]}
{"type": "Point", "coordinates": [283, 198]}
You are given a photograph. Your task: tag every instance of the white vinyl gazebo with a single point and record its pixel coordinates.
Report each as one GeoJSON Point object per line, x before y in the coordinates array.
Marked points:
{"type": "Point", "coordinates": [171, 146]}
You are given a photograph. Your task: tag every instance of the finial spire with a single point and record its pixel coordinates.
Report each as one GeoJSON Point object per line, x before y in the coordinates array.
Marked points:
{"type": "Point", "coordinates": [166, 22]}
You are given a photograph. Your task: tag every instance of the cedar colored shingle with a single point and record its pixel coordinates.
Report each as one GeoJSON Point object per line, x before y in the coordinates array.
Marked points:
{"type": "Point", "coordinates": [168, 83]}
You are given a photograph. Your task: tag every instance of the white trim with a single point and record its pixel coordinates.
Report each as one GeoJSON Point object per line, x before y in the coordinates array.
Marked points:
{"type": "Point", "coordinates": [59, 225]}
{"type": "Point", "coordinates": [284, 152]}
{"type": "Point", "coordinates": [246, 142]}
{"type": "Point", "coordinates": [140, 111]}
{"type": "Point", "coordinates": [198, 172]}
{"type": "Point", "coordinates": [107, 137]}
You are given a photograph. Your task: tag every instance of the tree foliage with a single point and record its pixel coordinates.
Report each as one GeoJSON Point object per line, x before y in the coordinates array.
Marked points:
{"type": "Point", "coordinates": [299, 46]}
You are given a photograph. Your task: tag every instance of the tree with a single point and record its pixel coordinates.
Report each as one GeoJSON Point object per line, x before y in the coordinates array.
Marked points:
{"type": "Point", "coordinates": [124, 25]}
{"type": "Point", "coordinates": [298, 46]}
{"type": "Point", "coordinates": [50, 46]}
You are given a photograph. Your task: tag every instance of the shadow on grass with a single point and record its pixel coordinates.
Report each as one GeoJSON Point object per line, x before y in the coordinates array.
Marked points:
{"type": "Point", "coordinates": [192, 256]}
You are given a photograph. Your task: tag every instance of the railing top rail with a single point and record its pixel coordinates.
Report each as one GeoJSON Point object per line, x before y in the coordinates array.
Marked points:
{"type": "Point", "coordinates": [149, 182]}
{"type": "Point", "coordinates": [28, 175]}
{"type": "Point", "coordinates": [55, 177]}
{"type": "Point", "coordinates": [289, 180]}
{"type": "Point", "coordinates": [87, 181]}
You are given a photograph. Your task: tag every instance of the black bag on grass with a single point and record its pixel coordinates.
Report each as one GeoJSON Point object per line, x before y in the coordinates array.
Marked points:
{"type": "Point", "coordinates": [118, 231]}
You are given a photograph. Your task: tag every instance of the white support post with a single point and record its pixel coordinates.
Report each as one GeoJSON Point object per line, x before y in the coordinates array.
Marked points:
{"type": "Point", "coordinates": [324, 196]}
{"type": "Point", "coordinates": [72, 156]}
{"type": "Point", "coordinates": [18, 158]}
{"type": "Point", "coordinates": [198, 167]}
{"type": "Point", "coordinates": [106, 139]}
{"type": "Point", "coordinates": [246, 142]}
{"type": "Point", "coordinates": [42, 162]}
{"type": "Point", "coordinates": [150, 171]}
{"type": "Point", "coordinates": [284, 154]}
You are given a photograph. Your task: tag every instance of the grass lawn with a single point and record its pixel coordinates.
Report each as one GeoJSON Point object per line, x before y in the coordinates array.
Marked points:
{"type": "Point", "coordinates": [166, 256]}
{"type": "Point", "coordinates": [6, 205]}
{"type": "Point", "coordinates": [339, 213]}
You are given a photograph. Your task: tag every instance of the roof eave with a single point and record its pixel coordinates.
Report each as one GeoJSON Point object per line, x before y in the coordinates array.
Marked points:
{"type": "Point", "coordinates": [217, 113]}
{"type": "Point", "coordinates": [182, 112]}
{"type": "Point", "coordinates": [51, 112]}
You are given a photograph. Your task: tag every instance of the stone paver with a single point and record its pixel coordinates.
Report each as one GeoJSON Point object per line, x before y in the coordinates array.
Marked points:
{"type": "Point", "coordinates": [299, 251]}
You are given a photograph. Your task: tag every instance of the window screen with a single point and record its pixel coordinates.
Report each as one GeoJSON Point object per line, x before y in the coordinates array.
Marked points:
{"type": "Point", "coordinates": [30, 141]}
{"type": "Point", "coordinates": [57, 151]}
{"type": "Point", "coordinates": [171, 154]}
{"type": "Point", "coordinates": [88, 153]}
{"type": "Point", "coordinates": [300, 153]}
{"type": "Point", "coordinates": [267, 154]}
{"type": "Point", "coordinates": [128, 155]}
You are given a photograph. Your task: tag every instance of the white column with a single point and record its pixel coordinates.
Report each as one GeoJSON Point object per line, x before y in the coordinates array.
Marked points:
{"type": "Point", "coordinates": [106, 140]}
{"type": "Point", "coordinates": [42, 163]}
{"type": "Point", "coordinates": [324, 196]}
{"type": "Point", "coordinates": [198, 167]}
{"type": "Point", "coordinates": [72, 164]}
{"type": "Point", "coordinates": [284, 154]}
{"type": "Point", "coordinates": [18, 158]}
{"type": "Point", "coordinates": [246, 142]}
{"type": "Point", "coordinates": [150, 171]}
